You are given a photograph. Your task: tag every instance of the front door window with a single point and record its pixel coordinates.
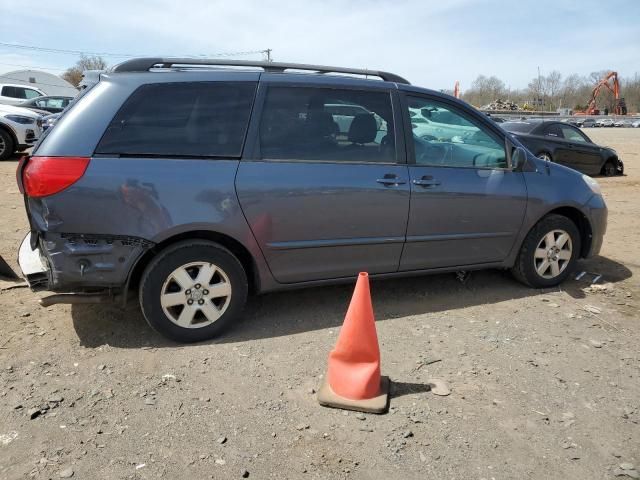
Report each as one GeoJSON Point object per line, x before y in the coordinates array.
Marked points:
{"type": "Point", "coordinates": [443, 136]}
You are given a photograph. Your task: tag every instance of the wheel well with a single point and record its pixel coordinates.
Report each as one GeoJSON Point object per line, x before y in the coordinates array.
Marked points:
{"type": "Point", "coordinates": [11, 134]}
{"type": "Point", "coordinates": [583, 224]}
{"type": "Point", "coordinates": [235, 247]}
{"type": "Point", "coordinates": [612, 160]}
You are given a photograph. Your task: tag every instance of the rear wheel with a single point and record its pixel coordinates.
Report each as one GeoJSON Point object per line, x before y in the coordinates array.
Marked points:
{"type": "Point", "coordinates": [549, 252]}
{"type": "Point", "coordinates": [193, 290]}
{"type": "Point", "coordinates": [6, 145]}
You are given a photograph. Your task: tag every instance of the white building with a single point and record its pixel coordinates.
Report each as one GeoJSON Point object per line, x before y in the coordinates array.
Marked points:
{"type": "Point", "coordinates": [47, 82]}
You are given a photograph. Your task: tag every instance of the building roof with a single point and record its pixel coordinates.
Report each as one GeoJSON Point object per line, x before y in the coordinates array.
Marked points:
{"type": "Point", "coordinates": [47, 82]}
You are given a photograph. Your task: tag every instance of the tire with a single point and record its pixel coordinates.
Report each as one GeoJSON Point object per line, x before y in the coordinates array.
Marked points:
{"type": "Point", "coordinates": [173, 275]}
{"type": "Point", "coordinates": [6, 145]}
{"type": "Point", "coordinates": [545, 156]}
{"type": "Point", "coordinates": [530, 260]}
{"type": "Point", "coordinates": [609, 169]}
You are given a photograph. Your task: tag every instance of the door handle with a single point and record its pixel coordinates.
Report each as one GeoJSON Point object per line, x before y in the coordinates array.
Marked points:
{"type": "Point", "coordinates": [427, 181]}
{"type": "Point", "coordinates": [391, 179]}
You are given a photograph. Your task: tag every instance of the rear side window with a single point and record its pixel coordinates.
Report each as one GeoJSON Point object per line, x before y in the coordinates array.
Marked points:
{"type": "Point", "coordinates": [20, 92]}
{"type": "Point", "coordinates": [327, 124]}
{"type": "Point", "coordinates": [573, 134]}
{"type": "Point", "coordinates": [553, 130]}
{"type": "Point", "coordinates": [190, 119]}
{"type": "Point", "coordinates": [10, 92]}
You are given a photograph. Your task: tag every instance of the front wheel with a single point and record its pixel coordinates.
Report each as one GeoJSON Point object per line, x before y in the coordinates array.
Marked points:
{"type": "Point", "coordinates": [549, 252]}
{"type": "Point", "coordinates": [609, 169]}
{"type": "Point", "coordinates": [6, 145]}
{"type": "Point", "coordinates": [193, 290]}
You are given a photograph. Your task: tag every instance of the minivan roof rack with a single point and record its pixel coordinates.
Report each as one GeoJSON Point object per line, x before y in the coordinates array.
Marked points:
{"type": "Point", "coordinates": [145, 64]}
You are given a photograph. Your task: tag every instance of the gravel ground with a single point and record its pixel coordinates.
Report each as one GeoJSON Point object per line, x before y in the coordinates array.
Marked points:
{"type": "Point", "coordinates": [544, 383]}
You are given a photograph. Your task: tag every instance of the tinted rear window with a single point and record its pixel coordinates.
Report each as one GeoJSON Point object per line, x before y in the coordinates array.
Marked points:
{"type": "Point", "coordinates": [19, 92]}
{"type": "Point", "coordinates": [327, 124]}
{"type": "Point", "coordinates": [10, 92]}
{"type": "Point", "coordinates": [523, 127]}
{"type": "Point", "coordinates": [190, 119]}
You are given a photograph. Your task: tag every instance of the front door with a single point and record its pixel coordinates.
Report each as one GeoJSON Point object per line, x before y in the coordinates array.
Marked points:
{"type": "Point", "coordinates": [325, 197]}
{"type": "Point", "coordinates": [467, 205]}
{"type": "Point", "coordinates": [585, 154]}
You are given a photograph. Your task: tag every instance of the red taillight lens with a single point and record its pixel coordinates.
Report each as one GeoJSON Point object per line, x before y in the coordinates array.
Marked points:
{"type": "Point", "coordinates": [45, 176]}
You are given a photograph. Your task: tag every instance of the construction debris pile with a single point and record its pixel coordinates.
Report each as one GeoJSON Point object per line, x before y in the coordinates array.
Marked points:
{"type": "Point", "coordinates": [501, 105]}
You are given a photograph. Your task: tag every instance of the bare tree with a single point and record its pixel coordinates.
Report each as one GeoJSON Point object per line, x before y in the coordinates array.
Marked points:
{"type": "Point", "coordinates": [536, 91]}
{"type": "Point", "coordinates": [73, 75]}
{"type": "Point", "coordinates": [553, 82]}
{"type": "Point", "coordinates": [595, 77]}
{"type": "Point", "coordinates": [485, 90]}
{"type": "Point", "coordinates": [573, 92]}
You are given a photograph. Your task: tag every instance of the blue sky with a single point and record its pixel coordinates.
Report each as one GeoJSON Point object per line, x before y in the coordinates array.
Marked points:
{"type": "Point", "coordinates": [432, 43]}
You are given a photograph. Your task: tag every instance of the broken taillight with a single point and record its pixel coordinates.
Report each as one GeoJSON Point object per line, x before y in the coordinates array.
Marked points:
{"type": "Point", "coordinates": [45, 176]}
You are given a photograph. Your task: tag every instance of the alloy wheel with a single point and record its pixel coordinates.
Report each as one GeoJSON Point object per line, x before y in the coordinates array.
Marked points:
{"type": "Point", "coordinates": [553, 254]}
{"type": "Point", "coordinates": [196, 295]}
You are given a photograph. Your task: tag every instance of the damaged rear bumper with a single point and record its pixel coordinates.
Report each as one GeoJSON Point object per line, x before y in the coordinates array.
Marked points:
{"type": "Point", "coordinates": [34, 268]}
{"type": "Point", "coordinates": [80, 268]}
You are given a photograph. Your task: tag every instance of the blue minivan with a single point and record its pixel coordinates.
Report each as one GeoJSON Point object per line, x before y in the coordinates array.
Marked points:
{"type": "Point", "coordinates": [198, 182]}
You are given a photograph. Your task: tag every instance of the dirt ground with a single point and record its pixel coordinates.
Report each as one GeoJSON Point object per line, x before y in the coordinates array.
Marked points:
{"type": "Point", "coordinates": [544, 384]}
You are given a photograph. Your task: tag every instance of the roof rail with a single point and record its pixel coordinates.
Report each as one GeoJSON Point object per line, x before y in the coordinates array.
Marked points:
{"type": "Point", "coordinates": [145, 64]}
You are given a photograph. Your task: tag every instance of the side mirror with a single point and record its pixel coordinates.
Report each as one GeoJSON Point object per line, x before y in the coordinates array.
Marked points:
{"type": "Point", "coordinates": [518, 158]}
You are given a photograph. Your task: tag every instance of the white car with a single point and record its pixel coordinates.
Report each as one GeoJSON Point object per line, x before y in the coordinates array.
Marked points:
{"type": "Point", "coordinates": [605, 122]}
{"type": "Point", "coordinates": [440, 124]}
{"type": "Point", "coordinates": [13, 94]}
{"type": "Point", "coordinates": [635, 124]}
{"type": "Point", "coordinates": [20, 128]}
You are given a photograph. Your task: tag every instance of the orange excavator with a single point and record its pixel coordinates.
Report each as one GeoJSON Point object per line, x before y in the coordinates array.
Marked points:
{"type": "Point", "coordinates": [614, 87]}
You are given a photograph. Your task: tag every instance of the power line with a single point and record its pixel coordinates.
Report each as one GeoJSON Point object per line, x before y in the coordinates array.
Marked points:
{"type": "Point", "coordinates": [121, 55]}
{"type": "Point", "coordinates": [58, 50]}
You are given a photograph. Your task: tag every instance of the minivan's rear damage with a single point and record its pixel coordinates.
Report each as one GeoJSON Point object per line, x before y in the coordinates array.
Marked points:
{"type": "Point", "coordinates": [195, 182]}
{"type": "Point", "coordinates": [65, 262]}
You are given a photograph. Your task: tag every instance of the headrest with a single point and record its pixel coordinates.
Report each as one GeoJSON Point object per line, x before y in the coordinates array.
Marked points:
{"type": "Point", "coordinates": [363, 128]}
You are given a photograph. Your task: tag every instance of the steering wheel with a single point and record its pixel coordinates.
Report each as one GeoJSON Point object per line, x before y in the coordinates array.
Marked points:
{"type": "Point", "coordinates": [432, 154]}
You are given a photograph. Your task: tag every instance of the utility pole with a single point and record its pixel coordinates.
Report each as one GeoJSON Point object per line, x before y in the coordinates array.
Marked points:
{"type": "Point", "coordinates": [267, 52]}
{"type": "Point", "coordinates": [539, 100]}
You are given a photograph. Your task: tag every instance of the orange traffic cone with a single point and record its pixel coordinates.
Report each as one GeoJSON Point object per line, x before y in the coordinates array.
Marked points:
{"type": "Point", "coordinates": [353, 380]}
